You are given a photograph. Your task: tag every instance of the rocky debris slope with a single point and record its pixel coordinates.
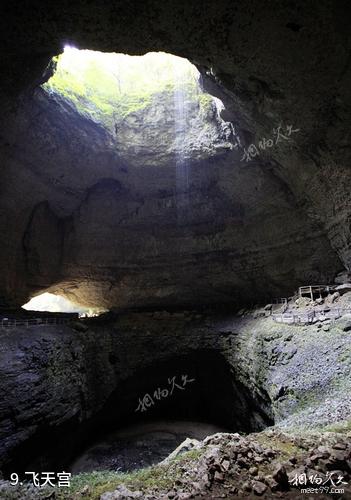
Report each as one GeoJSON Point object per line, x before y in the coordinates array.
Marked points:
{"type": "Point", "coordinates": [304, 370]}
{"type": "Point", "coordinates": [269, 465]}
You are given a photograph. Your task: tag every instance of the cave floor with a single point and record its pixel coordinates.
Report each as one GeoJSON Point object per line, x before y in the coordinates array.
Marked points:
{"type": "Point", "coordinates": [139, 446]}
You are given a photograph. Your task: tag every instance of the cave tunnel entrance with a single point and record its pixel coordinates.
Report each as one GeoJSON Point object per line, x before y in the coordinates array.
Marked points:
{"type": "Point", "coordinates": [147, 416]}
{"type": "Point", "coordinates": [54, 303]}
{"type": "Point", "coordinates": [49, 302]}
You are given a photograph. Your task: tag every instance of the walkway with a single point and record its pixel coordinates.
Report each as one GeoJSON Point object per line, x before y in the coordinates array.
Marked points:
{"type": "Point", "coordinates": [310, 316]}
{"type": "Point", "coordinates": [13, 323]}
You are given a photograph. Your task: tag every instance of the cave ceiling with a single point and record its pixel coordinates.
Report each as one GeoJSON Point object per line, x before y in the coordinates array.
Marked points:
{"type": "Point", "coordinates": [257, 213]}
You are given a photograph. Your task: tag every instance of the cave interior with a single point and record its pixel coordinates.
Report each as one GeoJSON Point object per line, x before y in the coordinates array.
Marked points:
{"type": "Point", "coordinates": [167, 157]}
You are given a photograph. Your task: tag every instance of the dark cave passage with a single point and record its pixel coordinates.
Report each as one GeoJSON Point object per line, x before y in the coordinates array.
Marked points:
{"type": "Point", "coordinates": [147, 416]}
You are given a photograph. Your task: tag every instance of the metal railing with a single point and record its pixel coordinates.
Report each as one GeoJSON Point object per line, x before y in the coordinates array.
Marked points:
{"type": "Point", "coordinates": [311, 290]}
{"type": "Point", "coordinates": [308, 317]}
{"type": "Point", "coordinates": [280, 300]}
{"type": "Point", "coordinates": [13, 323]}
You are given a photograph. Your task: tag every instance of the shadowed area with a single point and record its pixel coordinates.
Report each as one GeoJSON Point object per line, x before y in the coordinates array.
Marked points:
{"type": "Point", "coordinates": [179, 388]}
{"type": "Point", "coordinates": [140, 446]}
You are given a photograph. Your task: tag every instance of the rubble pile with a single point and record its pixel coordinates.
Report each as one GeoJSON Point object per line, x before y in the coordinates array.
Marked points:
{"type": "Point", "coordinates": [235, 466]}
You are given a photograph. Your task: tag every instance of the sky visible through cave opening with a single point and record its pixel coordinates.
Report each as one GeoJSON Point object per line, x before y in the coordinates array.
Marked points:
{"type": "Point", "coordinates": [110, 86]}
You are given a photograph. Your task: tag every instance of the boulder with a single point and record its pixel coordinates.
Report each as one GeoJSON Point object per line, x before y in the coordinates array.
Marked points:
{"type": "Point", "coordinates": [334, 297]}
{"type": "Point", "coordinates": [121, 493]}
{"type": "Point", "coordinates": [281, 477]}
{"type": "Point", "coordinates": [344, 288]}
{"type": "Point", "coordinates": [272, 483]}
{"type": "Point", "coordinates": [303, 302]}
{"type": "Point", "coordinates": [258, 488]}
{"type": "Point", "coordinates": [343, 277]}
{"type": "Point", "coordinates": [187, 445]}
{"type": "Point", "coordinates": [344, 323]}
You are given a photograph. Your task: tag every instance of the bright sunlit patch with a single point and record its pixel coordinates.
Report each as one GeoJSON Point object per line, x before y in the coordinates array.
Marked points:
{"type": "Point", "coordinates": [53, 303]}
{"type": "Point", "coordinates": [69, 47]}
{"type": "Point", "coordinates": [153, 108]}
{"type": "Point", "coordinates": [109, 86]}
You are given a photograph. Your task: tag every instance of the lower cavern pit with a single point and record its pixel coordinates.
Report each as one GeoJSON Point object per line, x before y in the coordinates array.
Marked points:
{"type": "Point", "coordinates": [199, 386]}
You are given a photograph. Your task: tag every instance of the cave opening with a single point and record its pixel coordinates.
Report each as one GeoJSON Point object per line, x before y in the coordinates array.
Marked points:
{"type": "Point", "coordinates": [110, 86]}
{"type": "Point", "coordinates": [49, 302]}
{"type": "Point", "coordinates": [147, 416]}
{"type": "Point", "coordinates": [55, 303]}
{"type": "Point", "coordinates": [118, 91]}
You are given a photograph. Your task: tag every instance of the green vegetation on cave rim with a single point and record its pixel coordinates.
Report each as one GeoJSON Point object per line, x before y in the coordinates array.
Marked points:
{"type": "Point", "coordinates": [108, 87]}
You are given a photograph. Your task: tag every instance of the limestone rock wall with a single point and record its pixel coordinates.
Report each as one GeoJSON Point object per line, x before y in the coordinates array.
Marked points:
{"type": "Point", "coordinates": [55, 380]}
{"type": "Point", "coordinates": [84, 220]}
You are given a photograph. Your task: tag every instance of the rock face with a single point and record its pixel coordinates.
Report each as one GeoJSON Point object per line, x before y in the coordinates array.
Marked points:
{"type": "Point", "coordinates": [109, 233]}
{"type": "Point", "coordinates": [58, 382]}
